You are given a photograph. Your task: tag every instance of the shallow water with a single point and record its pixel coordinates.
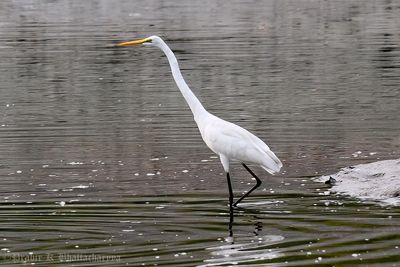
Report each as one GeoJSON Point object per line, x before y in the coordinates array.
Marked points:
{"type": "Point", "coordinates": [101, 163]}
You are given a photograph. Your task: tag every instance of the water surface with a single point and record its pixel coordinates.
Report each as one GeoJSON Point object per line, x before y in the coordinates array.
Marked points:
{"type": "Point", "coordinates": [101, 163]}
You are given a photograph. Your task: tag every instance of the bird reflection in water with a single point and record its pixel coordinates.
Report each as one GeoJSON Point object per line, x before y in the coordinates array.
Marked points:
{"type": "Point", "coordinates": [244, 249]}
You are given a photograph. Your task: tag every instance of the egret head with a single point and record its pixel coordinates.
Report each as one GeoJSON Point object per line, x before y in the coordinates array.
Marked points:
{"type": "Point", "coordinates": [149, 41]}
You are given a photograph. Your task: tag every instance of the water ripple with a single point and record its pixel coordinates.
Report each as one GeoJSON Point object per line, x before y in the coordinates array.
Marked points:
{"type": "Point", "coordinates": [101, 163]}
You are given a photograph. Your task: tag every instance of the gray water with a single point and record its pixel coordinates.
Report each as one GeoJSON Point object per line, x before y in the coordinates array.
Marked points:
{"type": "Point", "coordinates": [101, 163]}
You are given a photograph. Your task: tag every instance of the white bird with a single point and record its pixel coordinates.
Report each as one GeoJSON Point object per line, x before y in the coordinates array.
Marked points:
{"type": "Point", "coordinates": [228, 140]}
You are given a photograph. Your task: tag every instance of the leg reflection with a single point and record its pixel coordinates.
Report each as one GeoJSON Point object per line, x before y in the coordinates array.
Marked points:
{"type": "Point", "coordinates": [230, 225]}
{"type": "Point", "coordinates": [258, 226]}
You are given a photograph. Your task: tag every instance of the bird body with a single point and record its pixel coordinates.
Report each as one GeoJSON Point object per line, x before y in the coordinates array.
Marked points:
{"type": "Point", "coordinates": [228, 140]}
{"type": "Point", "coordinates": [232, 142]}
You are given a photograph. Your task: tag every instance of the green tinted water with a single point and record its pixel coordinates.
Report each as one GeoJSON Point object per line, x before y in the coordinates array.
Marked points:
{"type": "Point", "coordinates": [101, 163]}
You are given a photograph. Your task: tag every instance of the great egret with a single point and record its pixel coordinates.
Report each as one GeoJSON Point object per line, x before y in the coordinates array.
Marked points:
{"type": "Point", "coordinates": [228, 140]}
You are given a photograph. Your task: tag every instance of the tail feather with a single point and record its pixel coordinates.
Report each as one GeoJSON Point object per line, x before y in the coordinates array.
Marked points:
{"type": "Point", "coordinates": [271, 163]}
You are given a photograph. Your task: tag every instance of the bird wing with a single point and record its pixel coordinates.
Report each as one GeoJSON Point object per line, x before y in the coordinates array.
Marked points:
{"type": "Point", "coordinates": [235, 142]}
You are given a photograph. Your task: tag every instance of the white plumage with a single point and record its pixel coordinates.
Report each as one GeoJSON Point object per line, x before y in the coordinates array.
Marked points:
{"type": "Point", "coordinates": [232, 142]}
{"type": "Point", "coordinates": [228, 140]}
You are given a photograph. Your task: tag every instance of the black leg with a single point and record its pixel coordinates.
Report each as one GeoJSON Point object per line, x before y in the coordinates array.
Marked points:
{"type": "Point", "coordinates": [252, 189]}
{"type": "Point", "coordinates": [230, 204]}
{"type": "Point", "coordinates": [230, 190]}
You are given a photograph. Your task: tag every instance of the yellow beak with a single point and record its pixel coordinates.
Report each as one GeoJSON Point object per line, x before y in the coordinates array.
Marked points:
{"type": "Point", "coordinates": [136, 42]}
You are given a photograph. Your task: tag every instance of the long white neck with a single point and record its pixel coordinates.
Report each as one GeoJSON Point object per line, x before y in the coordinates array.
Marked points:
{"type": "Point", "coordinates": [194, 104]}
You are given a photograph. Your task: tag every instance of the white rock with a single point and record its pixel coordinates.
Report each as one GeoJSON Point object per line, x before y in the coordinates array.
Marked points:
{"type": "Point", "coordinates": [373, 181]}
